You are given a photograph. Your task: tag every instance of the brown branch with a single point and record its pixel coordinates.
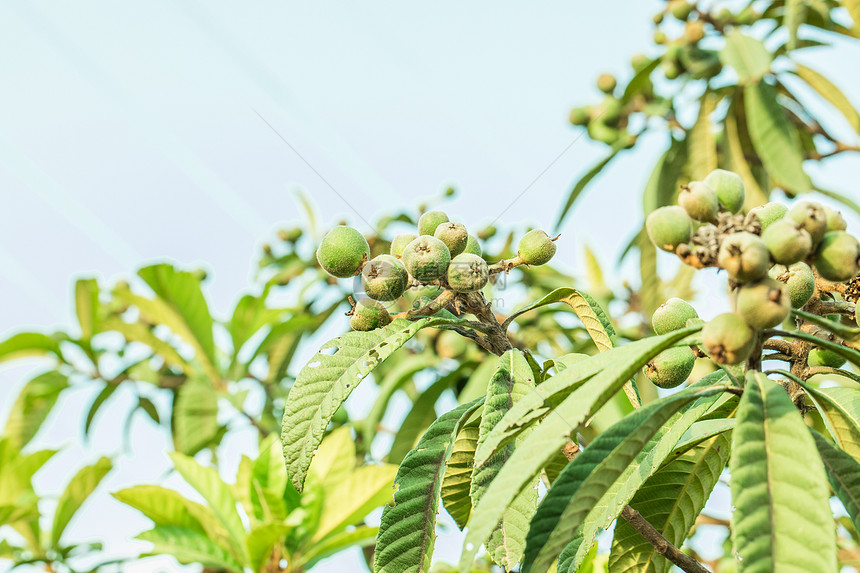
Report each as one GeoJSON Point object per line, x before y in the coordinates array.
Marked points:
{"type": "Point", "coordinates": [661, 544]}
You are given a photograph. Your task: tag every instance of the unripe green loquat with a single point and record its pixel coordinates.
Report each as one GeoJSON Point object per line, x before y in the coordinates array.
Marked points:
{"type": "Point", "coordinates": [473, 246]}
{"type": "Point", "coordinates": [369, 315]}
{"type": "Point", "coordinates": [787, 242]}
{"type": "Point", "coordinates": [580, 116]}
{"type": "Point", "coordinates": [467, 273]}
{"type": "Point", "coordinates": [744, 256]}
{"type": "Point", "coordinates": [428, 222]}
{"type": "Point", "coordinates": [606, 83]}
{"type": "Point", "coordinates": [384, 278]}
{"type": "Point", "coordinates": [536, 248]}
{"type": "Point", "coordinates": [729, 188]}
{"type": "Point", "coordinates": [699, 201]}
{"type": "Point", "coordinates": [454, 235]}
{"type": "Point", "coordinates": [668, 227]}
{"type": "Point", "coordinates": [671, 367]}
{"type": "Point", "coordinates": [426, 258]}
{"type": "Point", "coordinates": [799, 280]}
{"type": "Point", "coordinates": [825, 357]}
{"type": "Point", "coordinates": [769, 213]}
{"type": "Point", "coordinates": [810, 216]}
{"type": "Point", "coordinates": [728, 339]}
{"type": "Point", "coordinates": [764, 304]}
{"type": "Point", "coordinates": [672, 315]}
{"type": "Point", "coordinates": [342, 251]}
{"type": "Point", "coordinates": [838, 256]}
{"type": "Point", "coordinates": [835, 220]}
{"type": "Point", "coordinates": [399, 243]}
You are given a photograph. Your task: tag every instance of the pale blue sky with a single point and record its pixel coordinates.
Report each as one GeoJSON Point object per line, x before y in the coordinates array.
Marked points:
{"type": "Point", "coordinates": [129, 132]}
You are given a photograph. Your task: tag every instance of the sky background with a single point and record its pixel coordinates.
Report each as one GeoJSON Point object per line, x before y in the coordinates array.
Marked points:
{"type": "Point", "coordinates": [132, 132]}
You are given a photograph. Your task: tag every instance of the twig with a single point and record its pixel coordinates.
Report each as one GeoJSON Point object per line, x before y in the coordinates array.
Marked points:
{"type": "Point", "coordinates": [661, 544]}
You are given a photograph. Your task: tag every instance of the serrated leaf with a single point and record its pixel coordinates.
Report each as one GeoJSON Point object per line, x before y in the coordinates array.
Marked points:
{"type": "Point", "coordinates": [670, 500]}
{"type": "Point", "coordinates": [747, 56]}
{"type": "Point", "coordinates": [218, 496]}
{"type": "Point", "coordinates": [831, 93]}
{"type": "Point", "coordinates": [76, 493]}
{"type": "Point", "coordinates": [843, 473]}
{"type": "Point", "coordinates": [782, 515]}
{"type": "Point", "coordinates": [33, 405]}
{"type": "Point", "coordinates": [407, 532]}
{"type": "Point", "coordinates": [29, 344]}
{"type": "Point", "coordinates": [840, 410]}
{"type": "Point", "coordinates": [458, 474]}
{"type": "Point", "coordinates": [190, 546]}
{"type": "Point", "coordinates": [774, 138]}
{"type": "Point", "coordinates": [326, 382]}
{"type": "Point", "coordinates": [702, 141]}
{"type": "Point", "coordinates": [554, 431]}
{"type": "Point", "coordinates": [512, 380]}
{"type": "Point", "coordinates": [195, 416]}
{"type": "Point", "coordinates": [595, 486]}
{"type": "Point", "coordinates": [583, 182]}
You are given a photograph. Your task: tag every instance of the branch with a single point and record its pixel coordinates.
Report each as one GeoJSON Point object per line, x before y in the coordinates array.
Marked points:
{"type": "Point", "coordinates": [660, 543]}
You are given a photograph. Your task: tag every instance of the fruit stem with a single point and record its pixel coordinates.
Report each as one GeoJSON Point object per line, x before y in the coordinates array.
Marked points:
{"type": "Point", "coordinates": [505, 265]}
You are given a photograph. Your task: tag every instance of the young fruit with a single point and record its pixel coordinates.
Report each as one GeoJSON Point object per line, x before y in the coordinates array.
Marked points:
{"type": "Point", "coordinates": [580, 116]}
{"type": "Point", "coordinates": [699, 201]}
{"type": "Point", "coordinates": [426, 258]}
{"type": "Point", "coordinates": [473, 246]}
{"type": "Point", "coordinates": [384, 278]}
{"type": "Point", "coordinates": [369, 315]}
{"type": "Point", "coordinates": [428, 222]}
{"type": "Point", "coordinates": [399, 243]}
{"type": "Point", "coordinates": [671, 367]}
{"type": "Point", "coordinates": [787, 242]}
{"type": "Point", "coordinates": [467, 273]}
{"type": "Point", "coordinates": [769, 213]}
{"type": "Point", "coordinates": [744, 256]}
{"type": "Point", "coordinates": [838, 256]}
{"type": "Point", "coordinates": [680, 9]}
{"type": "Point", "coordinates": [694, 31]}
{"type": "Point", "coordinates": [799, 280]}
{"type": "Point", "coordinates": [536, 248]}
{"type": "Point", "coordinates": [835, 221]}
{"type": "Point", "coordinates": [454, 235]}
{"type": "Point", "coordinates": [606, 83]}
{"type": "Point", "coordinates": [342, 251]}
{"type": "Point", "coordinates": [668, 227]}
{"type": "Point", "coordinates": [764, 304]}
{"type": "Point", "coordinates": [449, 344]}
{"type": "Point", "coordinates": [810, 216]}
{"type": "Point", "coordinates": [672, 315]}
{"type": "Point", "coordinates": [728, 339]}
{"type": "Point", "coordinates": [824, 357]}
{"type": "Point", "coordinates": [729, 188]}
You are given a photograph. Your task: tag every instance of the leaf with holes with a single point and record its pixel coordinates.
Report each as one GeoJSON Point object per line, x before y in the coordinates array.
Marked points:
{"type": "Point", "coordinates": [326, 382]}
{"type": "Point", "coordinates": [782, 515]}
{"type": "Point", "coordinates": [407, 532]}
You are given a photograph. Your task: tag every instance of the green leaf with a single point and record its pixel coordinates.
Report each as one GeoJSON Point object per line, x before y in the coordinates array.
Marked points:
{"type": "Point", "coordinates": [267, 480]}
{"type": "Point", "coordinates": [670, 500]}
{"type": "Point", "coordinates": [181, 306]}
{"type": "Point", "coordinates": [754, 194]}
{"type": "Point", "coordinates": [849, 354]}
{"type": "Point", "coordinates": [77, 491]}
{"type": "Point", "coordinates": [774, 138]}
{"type": "Point", "coordinates": [782, 517]}
{"type": "Point", "coordinates": [747, 56]}
{"type": "Point", "coordinates": [420, 416]}
{"type": "Point", "coordinates": [702, 141]}
{"type": "Point", "coordinates": [29, 344]}
{"type": "Point", "coordinates": [663, 181]}
{"type": "Point", "coordinates": [361, 536]}
{"type": "Point", "coordinates": [853, 7]}
{"type": "Point", "coordinates": [190, 546]}
{"type": "Point", "coordinates": [553, 432]}
{"type": "Point", "coordinates": [640, 80]}
{"type": "Point", "coordinates": [249, 316]}
{"type": "Point", "coordinates": [512, 380]}
{"type": "Point", "coordinates": [843, 473]}
{"type": "Point", "coordinates": [195, 416]}
{"type": "Point", "coordinates": [840, 410]}
{"type": "Point", "coordinates": [33, 405]}
{"type": "Point", "coordinates": [163, 506]}
{"type": "Point", "coordinates": [584, 181]}
{"type": "Point", "coordinates": [139, 332]}
{"type": "Point", "coordinates": [326, 382]}
{"type": "Point", "coordinates": [795, 10]}
{"type": "Point", "coordinates": [458, 474]}
{"type": "Point", "coordinates": [105, 393]}
{"type": "Point", "coordinates": [407, 532]}
{"type": "Point", "coordinates": [595, 486]}
{"type": "Point", "coordinates": [349, 501]}
{"type": "Point", "coordinates": [393, 380]}
{"type": "Point", "coordinates": [261, 540]}
{"type": "Point", "coordinates": [218, 495]}
{"type": "Point", "coordinates": [148, 406]}
{"type": "Point", "coordinates": [87, 306]}
{"type": "Point", "coordinates": [831, 93]}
